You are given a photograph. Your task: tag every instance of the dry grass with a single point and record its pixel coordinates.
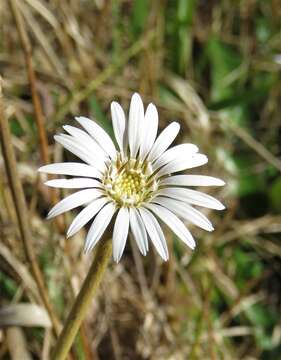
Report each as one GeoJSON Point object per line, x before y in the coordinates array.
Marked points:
{"type": "Point", "coordinates": [221, 301]}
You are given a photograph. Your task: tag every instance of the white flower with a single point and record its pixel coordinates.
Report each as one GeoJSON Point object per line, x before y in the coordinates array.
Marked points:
{"type": "Point", "coordinates": [135, 181]}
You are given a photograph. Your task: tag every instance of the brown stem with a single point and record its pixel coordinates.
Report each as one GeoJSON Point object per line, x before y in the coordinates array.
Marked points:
{"type": "Point", "coordinates": [39, 117]}
{"type": "Point", "coordinates": [38, 113]}
{"type": "Point", "coordinates": [21, 209]}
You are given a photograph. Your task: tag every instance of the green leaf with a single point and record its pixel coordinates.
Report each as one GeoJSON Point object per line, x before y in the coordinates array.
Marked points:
{"type": "Point", "coordinates": [264, 319]}
{"type": "Point", "coordinates": [263, 31]}
{"type": "Point", "coordinates": [7, 286]}
{"type": "Point", "coordinates": [249, 184]}
{"type": "Point", "coordinates": [275, 194]}
{"type": "Point", "coordinates": [99, 115]}
{"type": "Point", "coordinates": [139, 15]}
{"type": "Point", "coordinates": [16, 129]}
{"type": "Point", "coordinates": [263, 339]}
{"type": "Point", "coordinates": [185, 13]}
{"type": "Point", "coordinates": [260, 315]}
{"type": "Point", "coordinates": [247, 266]}
{"type": "Point", "coordinates": [223, 60]}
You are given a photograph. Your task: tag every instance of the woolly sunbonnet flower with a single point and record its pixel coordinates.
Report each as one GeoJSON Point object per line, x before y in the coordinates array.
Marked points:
{"type": "Point", "coordinates": [135, 181]}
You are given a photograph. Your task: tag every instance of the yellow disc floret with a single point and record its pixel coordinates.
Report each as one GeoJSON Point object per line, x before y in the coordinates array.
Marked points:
{"type": "Point", "coordinates": [129, 183]}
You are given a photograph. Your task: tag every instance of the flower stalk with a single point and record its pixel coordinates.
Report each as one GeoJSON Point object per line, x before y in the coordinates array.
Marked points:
{"type": "Point", "coordinates": [83, 300]}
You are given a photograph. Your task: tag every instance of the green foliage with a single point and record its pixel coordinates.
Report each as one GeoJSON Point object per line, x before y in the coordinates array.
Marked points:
{"type": "Point", "coordinates": [99, 115]}
{"type": "Point", "coordinates": [139, 17]}
{"type": "Point", "coordinates": [8, 287]}
{"type": "Point", "coordinates": [16, 128]}
{"type": "Point", "coordinates": [223, 61]}
{"type": "Point", "coordinates": [263, 319]}
{"type": "Point", "coordinates": [275, 194]}
{"type": "Point", "coordinates": [225, 52]}
{"type": "Point", "coordinates": [185, 11]}
{"type": "Point", "coordinates": [263, 29]}
{"type": "Point", "coordinates": [179, 29]}
{"type": "Point", "coordinates": [247, 266]}
{"type": "Point", "coordinates": [55, 287]}
{"type": "Point", "coordinates": [248, 181]}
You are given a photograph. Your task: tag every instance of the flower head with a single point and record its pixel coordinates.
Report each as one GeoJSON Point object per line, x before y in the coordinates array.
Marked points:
{"type": "Point", "coordinates": [134, 181]}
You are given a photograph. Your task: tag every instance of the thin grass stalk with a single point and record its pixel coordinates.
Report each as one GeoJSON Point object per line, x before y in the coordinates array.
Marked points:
{"type": "Point", "coordinates": [26, 46]}
{"type": "Point", "coordinates": [38, 112]}
{"type": "Point", "coordinates": [21, 210]}
{"type": "Point", "coordinates": [78, 96]}
{"type": "Point", "coordinates": [83, 300]}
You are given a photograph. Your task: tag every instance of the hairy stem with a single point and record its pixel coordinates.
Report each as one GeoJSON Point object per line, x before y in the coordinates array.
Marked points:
{"type": "Point", "coordinates": [83, 300]}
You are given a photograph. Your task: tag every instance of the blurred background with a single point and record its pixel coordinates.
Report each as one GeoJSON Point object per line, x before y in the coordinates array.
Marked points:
{"type": "Point", "coordinates": [213, 66]}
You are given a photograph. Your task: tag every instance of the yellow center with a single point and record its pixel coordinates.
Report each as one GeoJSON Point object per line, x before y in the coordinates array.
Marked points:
{"type": "Point", "coordinates": [129, 183]}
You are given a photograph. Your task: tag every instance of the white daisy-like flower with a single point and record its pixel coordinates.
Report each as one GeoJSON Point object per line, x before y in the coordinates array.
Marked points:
{"type": "Point", "coordinates": [135, 181]}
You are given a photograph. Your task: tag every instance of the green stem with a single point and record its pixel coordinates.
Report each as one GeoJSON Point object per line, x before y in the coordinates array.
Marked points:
{"type": "Point", "coordinates": [83, 300]}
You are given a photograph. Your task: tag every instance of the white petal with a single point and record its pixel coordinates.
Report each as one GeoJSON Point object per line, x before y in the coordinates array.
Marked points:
{"type": "Point", "coordinates": [71, 168]}
{"type": "Point", "coordinates": [192, 197]}
{"type": "Point", "coordinates": [86, 140]}
{"type": "Point", "coordinates": [182, 164]}
{"type": "Point", "coordinates": [75, 183]}
{"type": "Point", "coordinates": [67, 142]}
{"type": "Point", "coordinates": [119, 125]}
{"type": "Point", "coordinates": [99, 225]}
{"type": "Point", "coordinates": [155, 233]}
{"type": "Point", "coordinates": [76, 132]}
{"type": "Point", "coordinates": [72, 201]}
{"type": "Point", "coordinates": [81, 151]}
{"type": "Point", "coordinates": [100, 136]}
{"type": "Point", "coordinates": [192, 180]}
{"type": "Point", "coordinates": [183, 151]}
{"type": "Point", "coordinates": [120, 233]}
{"type": "Point", "coordinates": [174, 223]}
{"type": "Point", "coordinates": [86, 215]}
{"type": "Point", "coordinates": [185, 211]}
{"type": "Point", "coordinates": [150, 127]}
{"type": "Point", "coordinates": [164, 140]}
{"type": "Point", "coordinates": [136, 119]}
{"type": "Point", "coordinates": [138, 230]}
